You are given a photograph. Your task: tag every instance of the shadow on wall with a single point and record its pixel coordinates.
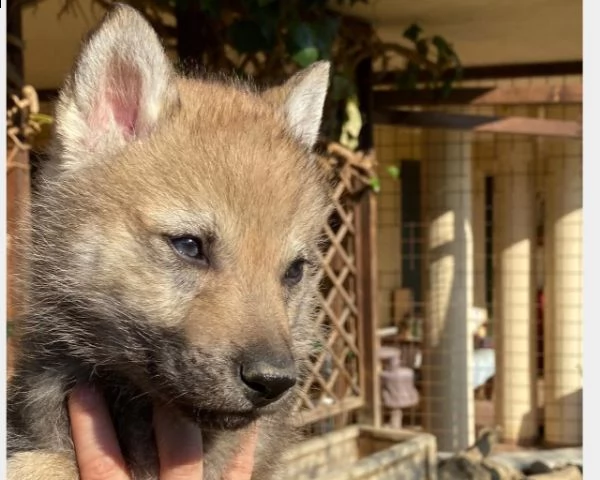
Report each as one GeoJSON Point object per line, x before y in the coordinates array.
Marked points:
{"type": "Point", "coordinates": [562, 420]}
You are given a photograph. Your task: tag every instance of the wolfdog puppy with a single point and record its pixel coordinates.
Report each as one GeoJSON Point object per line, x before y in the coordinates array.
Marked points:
{"type": "Point", "coordinates": [172, 257]}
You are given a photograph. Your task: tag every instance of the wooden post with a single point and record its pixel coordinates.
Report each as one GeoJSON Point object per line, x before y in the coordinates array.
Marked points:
{"type": "Point", "coordinates": [496, 72]}
{"type": "Point", "coordinates": [511, 95]}
{"type": "Point", "coordinates": [17, 174]}
{"type": "Point", "coordinates": [481, 123]}
{"type": "Point", "coordinates": [366, 259]}
{"type": "Point", "coordinates": [366, 262]}
{"type": "Point", "coordinates": [17, 206]}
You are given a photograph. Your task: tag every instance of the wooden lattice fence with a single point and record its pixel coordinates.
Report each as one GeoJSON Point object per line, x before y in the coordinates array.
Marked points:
{"type": "Point", "coordinates": [21, 126]}
{"type": "Point", "coordinates": [341, 377]}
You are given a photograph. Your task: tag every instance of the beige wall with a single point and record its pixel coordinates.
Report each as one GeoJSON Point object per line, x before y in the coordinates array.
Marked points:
{"type": "Point", "coordinates": [395, 143]}
{"type": "Point", "coordinates": [51, 43]}
{"type": "Point", "coordinates": [484, 32]}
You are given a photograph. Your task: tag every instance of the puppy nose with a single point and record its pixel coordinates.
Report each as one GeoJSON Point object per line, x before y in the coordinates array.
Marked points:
{"type": "Point", "coordinates": [266, 381]}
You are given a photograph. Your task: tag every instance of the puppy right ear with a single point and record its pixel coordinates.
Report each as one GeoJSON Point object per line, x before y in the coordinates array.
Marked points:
{"type": "Point", "coordinates": [301, 101]}
{"type": "Point", "coordinates": [122, 85]}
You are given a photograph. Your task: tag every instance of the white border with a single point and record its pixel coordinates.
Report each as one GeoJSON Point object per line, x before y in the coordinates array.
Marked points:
{"type": "Point", "coordinates": [3, 241]}
{"type": "Point", "coordinates": [591, 240]}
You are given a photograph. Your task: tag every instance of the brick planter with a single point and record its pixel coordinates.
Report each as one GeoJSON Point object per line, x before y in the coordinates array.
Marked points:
{"type": "Point", "coordinates": [361, 453]}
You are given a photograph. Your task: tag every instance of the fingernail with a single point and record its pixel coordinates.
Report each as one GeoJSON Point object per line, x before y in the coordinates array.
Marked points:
{"type": "Point", "coordinates": [85, 394]}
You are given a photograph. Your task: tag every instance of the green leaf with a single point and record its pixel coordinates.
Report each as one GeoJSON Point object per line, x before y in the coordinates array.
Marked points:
{"type": "Point", "coordinates": [375, 184]}
{"type": "Point", "coordinates": [422, 47]}
{"type": "Point", "coordinates": [447, 57]}
{"type": "Point", "coordinates": [302, 44]}
{"type": "Point", "coordinates": [412, 32]}
{"type": "Point", "coordinates": [443, 47]}
{"type": "Point", "coordinates": [408, 79]}
{"type": "Point", "coordinates": [352, 125]}
{"type": "Point", "coordinates": [41, 118]}
{"type": "Point", "coordinates": [306, 56]}
{"type": "Point", "coordinates": [325, 31]}
{"type": "Point", "coordinates": [301, 35]}
{"type": "Point", "coordinates": [394, 172]}
{"type": "Point", "coordinates": [247, 37]}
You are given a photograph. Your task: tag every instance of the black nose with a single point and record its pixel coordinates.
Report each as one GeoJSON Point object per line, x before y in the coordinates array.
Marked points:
{"type": "Point", "coordinates": [266, 381]}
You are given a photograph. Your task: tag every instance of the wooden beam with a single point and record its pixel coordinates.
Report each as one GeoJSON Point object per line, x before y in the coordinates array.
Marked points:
{"type": "Point", "coordinates": [365, 214]}
{"type": "Point", "coordinates": [322, 412]}
{"type": "Point", "coordinates": [483, 72]}
{"type": "Point", "coordinates": [18, 193]}
{"type": "Point", "coordinates": [528, 95]}
{"type": "Point", "coordinates": [480, 123]}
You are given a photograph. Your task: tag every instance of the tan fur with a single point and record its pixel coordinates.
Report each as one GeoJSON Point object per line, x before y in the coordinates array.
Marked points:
{"type": "Point", "coordinates": [28, 465]}
{"type": "Point", "coordinates": [111, 302]}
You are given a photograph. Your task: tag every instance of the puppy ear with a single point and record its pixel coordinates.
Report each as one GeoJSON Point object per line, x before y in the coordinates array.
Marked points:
{"type": "Point", "coordinates": [301, 99]}
{"type": "Point", "coordinates": [121, 86]}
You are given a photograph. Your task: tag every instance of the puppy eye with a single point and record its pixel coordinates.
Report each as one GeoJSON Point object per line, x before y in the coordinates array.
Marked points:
{"type": "Point", "coordinates": [294, 273]}
{"type": "Point", "coordinates": [189, 247]}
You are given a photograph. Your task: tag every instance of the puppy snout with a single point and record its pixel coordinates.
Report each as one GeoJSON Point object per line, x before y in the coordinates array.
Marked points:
{"type": "Point", "coordinates": [268, 377]}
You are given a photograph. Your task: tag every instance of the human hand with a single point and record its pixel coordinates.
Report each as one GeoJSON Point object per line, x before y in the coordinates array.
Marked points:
{"type": "Point", "coordinates": [179, 444]}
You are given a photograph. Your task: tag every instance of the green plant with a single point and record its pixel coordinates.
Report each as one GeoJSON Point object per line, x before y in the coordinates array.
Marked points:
{"type": "Point", "coordinates": [270, 39]}
{"type": "Point", "coordinates": [394, 172]}
{"type": "Point", "coordinates": [437, 56]}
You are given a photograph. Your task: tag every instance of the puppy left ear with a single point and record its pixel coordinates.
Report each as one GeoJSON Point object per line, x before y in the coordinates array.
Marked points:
{"type": "Point", "coordinates": [301, 99]}
{"type": "Point", "coordinates": [121, 86]}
